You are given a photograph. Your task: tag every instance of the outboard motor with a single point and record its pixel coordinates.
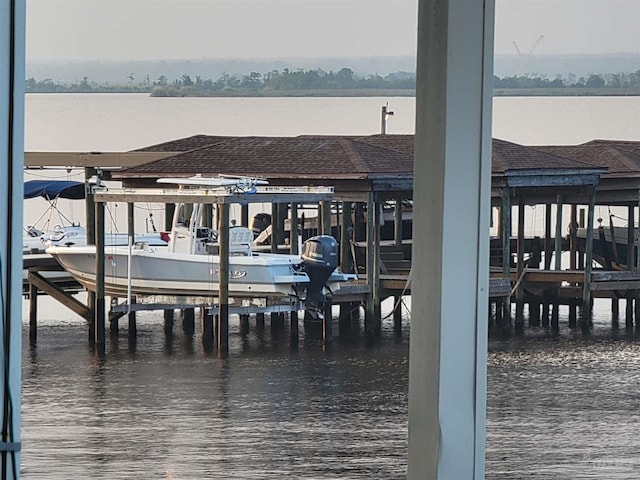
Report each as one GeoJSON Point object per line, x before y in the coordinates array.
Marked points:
{"type": "Point", "coordinates": [320, 258]}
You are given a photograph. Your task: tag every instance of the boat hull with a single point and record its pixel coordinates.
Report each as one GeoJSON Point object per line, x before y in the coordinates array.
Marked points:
{"type": "Point", "coordinates": [155, 271]}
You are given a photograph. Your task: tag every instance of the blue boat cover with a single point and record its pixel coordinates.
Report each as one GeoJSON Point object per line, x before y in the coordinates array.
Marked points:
{"type": "Point", "coordinates": [51, 189]}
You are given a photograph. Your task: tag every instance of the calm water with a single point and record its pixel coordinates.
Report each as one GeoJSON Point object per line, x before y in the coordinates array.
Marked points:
{"type": "Point", "coordinates": [560, 405]}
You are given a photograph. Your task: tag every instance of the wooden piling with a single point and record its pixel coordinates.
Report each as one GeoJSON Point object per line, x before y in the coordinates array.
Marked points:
{"type": "Point", "coordinates": [99, 314]}
{"type": "Point", "coordinates": [520, 264]}
{"type": "Point", "coordinates": [223, 279]}
{"type": "Point", "coordinates": [33, 313]}
{"type": "Point", "coordinates": [293, 230]}
{"type": "Point", "coordinates": [629, 312]}
{"type": "Point", "coordinates": [505, 315]}
{"type": "Point", "coordinates": [188, 321]}
{"type": "Point", "coordinates": [371, 265]}
{"type": "Point", "coordinates": [346, 238]}
{"type": "Point", "coordinates": [168, 322]}
{"type": "Point", "coordinates": [588, 264]}
{"type": "Point", "coordinates": [207, 327]}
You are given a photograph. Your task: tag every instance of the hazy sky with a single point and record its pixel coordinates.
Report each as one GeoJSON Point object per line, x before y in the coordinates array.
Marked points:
{"type": "Point", "coordinates": [190, 29]}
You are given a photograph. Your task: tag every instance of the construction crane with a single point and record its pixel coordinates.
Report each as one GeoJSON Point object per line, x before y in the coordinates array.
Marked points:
{"type": "Point", "coordinates": [524, 59]}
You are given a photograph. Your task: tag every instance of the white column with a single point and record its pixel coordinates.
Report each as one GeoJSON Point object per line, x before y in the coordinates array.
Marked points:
{"type": "Point", "coordinates": [12, 79]}
{"type": "Point", "coordinates": [447, 373]}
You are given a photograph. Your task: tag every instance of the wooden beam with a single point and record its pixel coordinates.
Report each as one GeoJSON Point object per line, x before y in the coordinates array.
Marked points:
{"type": "Point", "coordinates": [54, 292]}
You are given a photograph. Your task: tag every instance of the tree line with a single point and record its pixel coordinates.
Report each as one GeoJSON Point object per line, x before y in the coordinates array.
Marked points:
{"type": "Point", "coordinates": [344, 80]}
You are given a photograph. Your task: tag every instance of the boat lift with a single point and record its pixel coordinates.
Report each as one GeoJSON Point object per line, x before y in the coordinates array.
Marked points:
{"type": "Point", "coordinates": [228, 191]}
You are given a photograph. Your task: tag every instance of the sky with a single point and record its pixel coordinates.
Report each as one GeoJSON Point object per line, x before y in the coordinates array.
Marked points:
{"type": "Point", "coordinates": [113, 30]}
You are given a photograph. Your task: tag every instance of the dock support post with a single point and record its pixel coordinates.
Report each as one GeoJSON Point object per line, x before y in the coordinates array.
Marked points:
{"type": "Point", "coordinates": [33, 313]}
{"type": "Point", "coordinates": [520, 264]}
{"type": "Point", "coordinates": [572, 314]}
{"type": "Point", "coordinates": [588, 262]}
{"type": "Point", "coordinates": [293, 230]}
{"type": "Point", "coordinates": [169, 210]}
{"type": "Point", "coordinates": [168, 322]}
{"type": "Point", "coordinates": [397, 313]}
{"type": "Point", "coordinates": [327, 323]}
{"type": "Point", "coordinates": [188, 320]}
{"type": "Point", "coordinates": [294, 327]}
{"type": "Point", "coordinates": [573, 237]}
{"type": "Point", "coordinates": [326, 218]}
{"type": "Point", "coordinates": [505, 316]}
{"type": "Point", "coordinates": [558, 236]}
{"type": "Point", "coordinates": [223, 279]}
{"type": "Point", "coordinates": [345, 238]}
{"type": "Point", "coordinates": [275, 222]}
{"type": "Point", "coordinates": [397, 224]}
{"type": "Point", "coordinates": [99, 316]}
{"type": "Point", "coordinates": [244, 215]}
{"type": "Point", "coordinates": [377, 267]}
{"type": "Point", "coordinates": [90, 213]}
{"type": "Point", "coordinates": [133, 329]}
{"type": "Point", "coordinates": [207, 327]}
{"type": "Point", "coordinates": [244, 324]}
{"type": "Point", "coordinates": [370, 313]}
{"type": "Point", "coordinates": [547, 237]}
{"type": "Point", "coordinates": [629, 312]}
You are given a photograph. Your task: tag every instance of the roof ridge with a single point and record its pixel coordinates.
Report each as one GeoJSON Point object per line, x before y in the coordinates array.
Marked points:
{"type": "Point", "coordinates": [353, 155]}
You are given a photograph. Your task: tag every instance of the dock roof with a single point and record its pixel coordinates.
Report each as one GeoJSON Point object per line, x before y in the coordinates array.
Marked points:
{"type": "Point", "coordinates": [622, 158]}
{"type": "Point", "coordinates": [327, 157]}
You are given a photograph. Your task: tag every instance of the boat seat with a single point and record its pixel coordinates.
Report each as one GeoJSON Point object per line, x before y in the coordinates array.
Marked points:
{"type": "Point", "coordinates": [240, 240]}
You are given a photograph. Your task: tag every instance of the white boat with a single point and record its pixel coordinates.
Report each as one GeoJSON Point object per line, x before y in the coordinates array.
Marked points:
{"type": "Point", "coordinates": [35, 240]}
{"type": "Point", "coordinates": [191, 263]}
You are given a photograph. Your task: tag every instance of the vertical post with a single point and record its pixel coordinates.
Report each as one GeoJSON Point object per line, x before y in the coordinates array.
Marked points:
{"type": "Point", "coordinates": [345, 237]}
{"type": "Point", "coordinates": [223, 279]}
{"type": "Point", "coordinates": [99, 314]}
{"type": "Point", "coordinates": [631, 237]}
{"type": "Point", "coordinates": [169, 210]}
{"type": "Point", "coordinates": [377, 266]}
{"type": "Point", "coordinates": [90, 212]}
{"type": "Point", "coordinates": [573, 237]}
{"type": "Point", "coordinates": [131, 233]}
{"type": "Point", "coordinates": [520, 265]}
{"type": "Point", "coordinates": [448, 349]}
{"type": "Point", "coordinates": [397, 224]}
{"type": "Point", "coordinates": [206, 323]}
{"type": "Point", "coordinates": [326, 217]}
{"type": "Point", "coordinates": [383, 123]}
{"type": "Point", "coordinates": [33, 313]}
{"type": "Point", "coordinates": [506, 249]}
{"type": "Point", "coordinates": [588, 262]}
{"type": "Point", "coordinates": [547, 237]}
{"type": "Point", "coordinates": [275, 221]}
{"type": "Point", "coordinates": [244, 215]}
{"type": "Point", "coordinates": [293, 230]}
{"type": "Point", "coordinates": [12, 55]}
{"type": "Point", "coordinates": [370, 308]}
{"type": "Point", "coordinates": [558, 236]}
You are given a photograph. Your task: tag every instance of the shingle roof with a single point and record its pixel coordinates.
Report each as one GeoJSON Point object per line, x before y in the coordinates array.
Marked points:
{"type": "Point", "coordinates": [184, 144]}
{"type": "Point", "coordinates": [285, 157]}
{"type": "Point", "coordinates": [619, 157]}
{"type": "Point", "coordinates": [508, 156]}
{"type": "Point", "coordinates": [361, 157]}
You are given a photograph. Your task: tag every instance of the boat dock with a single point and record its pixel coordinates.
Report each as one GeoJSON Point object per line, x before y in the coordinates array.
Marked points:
{"type": "Point", "coordinates": [369, 213]}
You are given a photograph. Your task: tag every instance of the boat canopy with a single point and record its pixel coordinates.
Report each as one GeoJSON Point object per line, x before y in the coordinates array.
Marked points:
{"type": "Point", "coordinates": [51, 189]}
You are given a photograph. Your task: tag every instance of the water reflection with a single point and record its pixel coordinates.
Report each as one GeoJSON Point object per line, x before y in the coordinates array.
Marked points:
{"type": "Point", "coordinates": [561, 403]}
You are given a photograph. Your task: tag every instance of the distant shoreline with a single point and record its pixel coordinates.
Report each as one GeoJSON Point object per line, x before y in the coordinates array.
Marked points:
{"type": "Point", "coordinates": [498, 92]}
